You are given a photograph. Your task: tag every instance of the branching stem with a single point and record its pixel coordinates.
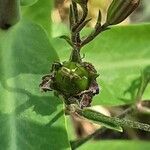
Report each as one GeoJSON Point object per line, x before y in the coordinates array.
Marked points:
{"type": "Point", "coordinates": [76, 25]}
{"type": "Point", "coordinates": [94, 34]}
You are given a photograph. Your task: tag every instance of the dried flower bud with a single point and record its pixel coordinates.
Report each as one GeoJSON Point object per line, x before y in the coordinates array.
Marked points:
{"type": "Point", "coordinates": [9, 13]}
{"type": "Point", "coordinates": [119, 10]}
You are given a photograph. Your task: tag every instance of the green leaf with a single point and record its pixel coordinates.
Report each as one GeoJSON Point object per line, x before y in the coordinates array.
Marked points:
{"type": "Point", "coordinates": [40, 14]}
{"type": "Point", "coordinates": [116, 145]}
{"type": "Point", "coordinates": [119, 55]}
{"type": "Point", "coordinates": [29, 119]}
{"type": "Point", "coordinates": [27, 2]}
{"type": "Point", "coordinates": [124, 53]}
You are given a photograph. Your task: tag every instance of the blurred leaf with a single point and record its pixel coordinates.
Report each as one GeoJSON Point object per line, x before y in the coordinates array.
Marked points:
{"type": "Point", "coordinates": [27, 2]}
{"type": "Point", "coordinates": [29, 119]}
{"type": "Point", "coordinates": [59, 29]}
{"type": "Point", "coordinates": [119, 55]}
{"type": "Point", "coordinates": [40, 13]}
{"type": "Point", "coordinates": [116, 145]}
{"type": "Point", "coordinates": [139, 85]}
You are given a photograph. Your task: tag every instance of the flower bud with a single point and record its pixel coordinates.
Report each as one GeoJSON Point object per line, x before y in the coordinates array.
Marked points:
{"type": "Point", "coordinates": [119, 10]}
{"type": "Point", "coordinates": [9, 13]}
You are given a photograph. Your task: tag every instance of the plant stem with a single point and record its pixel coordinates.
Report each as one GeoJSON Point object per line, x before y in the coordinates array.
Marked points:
{"type": "Point", "coordinates": [76, 25]}
{"type": "Point", "coordinates": [78, 143]}
{"type": "Point", "coordinates": [75, 56]}
{"type": "Point", "coordinates": [94, 34]}
{"type": "Point", "coordinates": [75, 36]}
{"type": "Point", "coordinates": [143, 106]}
{"type": "Point", "coordinates": [125, 123]}
{"type": "Point", "coordinates": [143, 85]}
{"type": "Point", "coordinates": [76, 18]}
{"type": "Point", "coordinates": [98, 117]}
{"type": "Point", "coordinates": [85, 13]}
{"type": "Point", "coordinates": [127, 111]}
{"type": "Point", "coordinates": [9, 13]}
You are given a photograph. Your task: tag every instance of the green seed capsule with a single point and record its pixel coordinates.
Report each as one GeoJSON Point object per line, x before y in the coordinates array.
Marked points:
{"type": "Point", "coordinates": [71, 79]}
{"type": "Point", "coordinates": [74, 81]}
{"type": "Point", "coordinates": [119, 10]}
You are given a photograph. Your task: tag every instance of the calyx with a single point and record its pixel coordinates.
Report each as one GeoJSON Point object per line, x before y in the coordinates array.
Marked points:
{"type": "Point", "coordinates": [75, 82]}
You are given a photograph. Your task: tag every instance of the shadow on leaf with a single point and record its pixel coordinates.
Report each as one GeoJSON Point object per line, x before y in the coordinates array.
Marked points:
{"type": "Point", "coordinates": [137, 84]}
{"type": "Point", "coordinates": [28, 135]}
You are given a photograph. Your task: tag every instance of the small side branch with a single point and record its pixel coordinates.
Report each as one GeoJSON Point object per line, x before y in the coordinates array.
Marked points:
{"type": "Point", "coordinates": [94, 34]}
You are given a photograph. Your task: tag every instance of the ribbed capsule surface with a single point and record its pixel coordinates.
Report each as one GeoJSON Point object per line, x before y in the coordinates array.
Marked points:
{"type": "Point", "coordinates": [119, 10]}
{"type": "Point", "coordinates": [81, 1]}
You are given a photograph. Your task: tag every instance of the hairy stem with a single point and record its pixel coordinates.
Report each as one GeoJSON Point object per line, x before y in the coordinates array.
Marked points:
{"type": "Point", "coordinates": [75, 36]}
{"type": "Point", "coordinates": [139, 106]}
{"type": "Point", "coordinates": [75, 56]}
{"type": "Point", "coordinates": [85, 13]}
{"type": "Point", "coordinates": [98, 117]}
{"type": "Point", "coordinates": [76, 17]}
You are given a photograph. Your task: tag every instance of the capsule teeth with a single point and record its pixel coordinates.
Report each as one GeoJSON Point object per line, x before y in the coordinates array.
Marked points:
{"type": "Point", "coordinates": [45, 85]}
